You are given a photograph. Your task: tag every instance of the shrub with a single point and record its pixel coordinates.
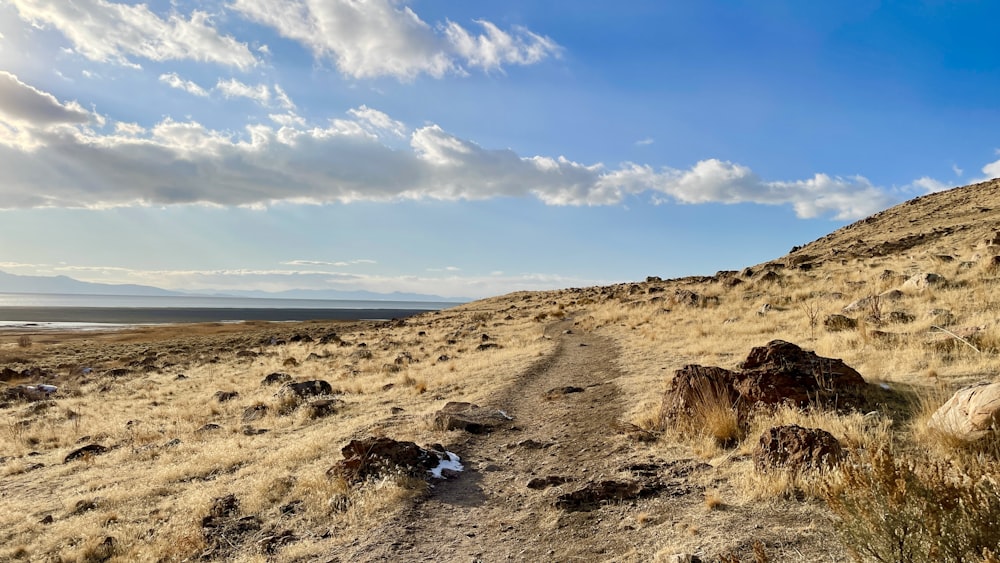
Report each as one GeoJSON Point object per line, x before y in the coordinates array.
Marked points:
{"type": "Point", "coordinates": [891, 508]}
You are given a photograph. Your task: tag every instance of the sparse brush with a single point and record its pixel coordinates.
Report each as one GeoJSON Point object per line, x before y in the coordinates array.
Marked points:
{"type": "Point", "coordinates": [711, 414]}
{"type": "Point", "coordinates": [893, 507]}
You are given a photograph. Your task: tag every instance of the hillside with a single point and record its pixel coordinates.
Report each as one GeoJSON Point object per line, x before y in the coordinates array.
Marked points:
{"type": "Point", "coordinates": [581, 445]}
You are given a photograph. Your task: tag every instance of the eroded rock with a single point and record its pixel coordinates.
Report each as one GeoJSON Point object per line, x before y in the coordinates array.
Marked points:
{"type": "Point", "coordinates": [970, 414]}
{"type": "Point", "coordinates": [794, 447]}
{"type": "Point", "coordinates": [469, 417]}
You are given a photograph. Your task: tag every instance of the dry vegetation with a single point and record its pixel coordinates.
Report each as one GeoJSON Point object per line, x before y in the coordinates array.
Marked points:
{"type": "Point", "coordinates": [904, 493]}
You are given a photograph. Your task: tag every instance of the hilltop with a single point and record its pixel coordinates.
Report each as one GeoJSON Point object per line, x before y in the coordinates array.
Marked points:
{"type": "Point", "coordinates": [571, 445]}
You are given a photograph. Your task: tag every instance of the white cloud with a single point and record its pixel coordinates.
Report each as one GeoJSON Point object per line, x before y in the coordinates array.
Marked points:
{"type": "Point", "coordinates": [991, 170]}
{"type": "Point", "coordinates": [283, 100]}
{"type": "Point", "coordinates": [24, 105]}
{"type": "Point", "coordinates": [497, 47]}
{"type": "Point", "coordinates": [339, 263]}
{"type": "Point", "coordinates": [378, 121]}
{"type": "Point", "coordinates": [233, 88]}
{"type": "Point", "coordinates": [930, 185]}
{"type": "Point", "coordinates": [174, 81]}
{"type": "Point", "coordinates": [645, 142]}
{"type": "Point", "coordinates": [113, 32]}
{"type": "Point", "coordinates": [182, 162]}
{"type": "Point", "coordinates": [387, 38]}
{"type": "Point", "coordinates": [958, 171]}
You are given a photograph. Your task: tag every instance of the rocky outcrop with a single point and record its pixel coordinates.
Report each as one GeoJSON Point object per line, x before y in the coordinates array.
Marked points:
{"type": "Point", "coordinates": [796, 448]}
{"type": "Point", "coordinates": [970, 414]}
{"type": "Point", "coordinates": [780, 372]}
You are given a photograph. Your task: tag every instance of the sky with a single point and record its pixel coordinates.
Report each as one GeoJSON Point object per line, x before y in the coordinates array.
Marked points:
{"type": "Point", "coordinates": [468, 149]}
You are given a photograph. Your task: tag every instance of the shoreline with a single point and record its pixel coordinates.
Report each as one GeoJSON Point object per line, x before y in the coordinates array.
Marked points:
{"type": "Point", "coordinates": [18, 317]}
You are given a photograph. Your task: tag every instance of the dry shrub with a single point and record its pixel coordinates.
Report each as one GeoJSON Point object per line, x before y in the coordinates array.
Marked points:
{"type": "Point", "coordinates": [24, 341]}
{"type": "Point", "coordinates": [892, 507]}
{"type": "Point", "coordinates": [711, 415]}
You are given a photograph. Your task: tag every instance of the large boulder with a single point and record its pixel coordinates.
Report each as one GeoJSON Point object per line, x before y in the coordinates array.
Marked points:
{"type": "Point", "coordinates": [970, 414]}
{"type": "Point", "coordinates": [794, 447]}
{"type": "Point", "coordinates": [837, 323]}
{"type": "Point", "coordinates": [780, 372]}
{"type": "Point", "coordinates": [377, 456]}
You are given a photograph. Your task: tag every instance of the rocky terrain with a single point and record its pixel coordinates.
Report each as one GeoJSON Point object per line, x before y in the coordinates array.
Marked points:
{"type": "Point", "coordinates": [791, 411]}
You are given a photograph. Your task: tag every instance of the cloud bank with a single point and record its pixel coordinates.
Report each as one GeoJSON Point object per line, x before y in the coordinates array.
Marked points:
{"type": "Point", "coordinates": [348, 159]}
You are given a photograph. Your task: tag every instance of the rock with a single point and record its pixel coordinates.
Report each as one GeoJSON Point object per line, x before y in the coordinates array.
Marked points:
{"type": "Point", "coordinates": [970, 414]}
{"type": "Point", "coordinates": [901, 317]}
{"type": "Point", "coordinates": [783, 372]}
{"type": "Point", "coordinates": [246, 354]}
{"type": "Point", "coordinates": [319, 408]}
{"type": "Point", "coordinates": [794, 447]}
{"type": "Point", "coordinates": [487, 346]}
{"type": "Point", "coordinates": [376, 456]}
{"type": "Point", "coordinates": [330, 338]}
{"type": "Point", "coordinates": [923, 281]}
{"type": "Point", "coordinates": [469, 417]}
{"type": "Point", "coordinates": [780, 372]}
{"type": "Point", "coordinates": [85, 452]}
{"type": "Point", "coordinates": [683, 558]}
{"type": "Point", "coordinates": [210, 427]}
{"type": "Point", "coordinates": [275, 378]}
{"type": "Point", "coordinates": [117, 372]}
{"type": "Point", "coordinates": [837, 323]}
{"type": "Point", "coordinates": [308, 389]}
{"type": "Point", "coordinates": [223, 396]}
{"type": "Point", "coordinates": [769, 277]}
{"type": "Point", "coordinates": [254, 412]}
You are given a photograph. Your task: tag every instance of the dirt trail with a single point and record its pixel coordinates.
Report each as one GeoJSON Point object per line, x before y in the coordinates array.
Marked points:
{"type": "Point", "coordinates": [488, 513]}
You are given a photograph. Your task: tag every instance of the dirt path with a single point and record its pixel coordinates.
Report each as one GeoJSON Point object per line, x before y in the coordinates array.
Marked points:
{"type": "Point", "coordinates": [488, 513]}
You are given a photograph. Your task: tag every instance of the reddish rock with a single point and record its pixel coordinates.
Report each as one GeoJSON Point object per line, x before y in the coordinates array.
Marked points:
{"type": "Point", "coordinates": [794, 447]}
{"type": "Point", "coordinates": [782, 372]}
{"type": "Point", "coordinates": [377, 456]}
{"type": "Point", "coordinates": [779, 372]}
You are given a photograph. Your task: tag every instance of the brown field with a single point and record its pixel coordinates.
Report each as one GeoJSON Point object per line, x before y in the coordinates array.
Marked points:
{"type": "Point", "coordinates": [174, 445]}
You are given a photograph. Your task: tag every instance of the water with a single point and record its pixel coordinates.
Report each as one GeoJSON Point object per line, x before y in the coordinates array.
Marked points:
{"type": "Point", "coordinates": [82, 312]}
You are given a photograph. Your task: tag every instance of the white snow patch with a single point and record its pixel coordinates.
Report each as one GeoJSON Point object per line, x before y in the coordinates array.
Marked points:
{"type": "Point", "coordinates": [884, 386]}
{"type": "Point", "coordinates": [505, 415]}
{"type": "Point", "coordinates": [453, 463]}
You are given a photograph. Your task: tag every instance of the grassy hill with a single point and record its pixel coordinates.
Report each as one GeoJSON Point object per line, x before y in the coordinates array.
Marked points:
{"type": "Point", "coordinates": [178, 442]}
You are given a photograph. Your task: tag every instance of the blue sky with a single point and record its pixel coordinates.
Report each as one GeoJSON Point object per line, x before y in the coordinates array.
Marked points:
{"type": "Point", "coordinates": [471, 148]}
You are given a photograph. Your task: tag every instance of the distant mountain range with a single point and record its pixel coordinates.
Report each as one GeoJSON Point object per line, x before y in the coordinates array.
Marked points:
{"type": "Point", "coordinates": [13, 283]}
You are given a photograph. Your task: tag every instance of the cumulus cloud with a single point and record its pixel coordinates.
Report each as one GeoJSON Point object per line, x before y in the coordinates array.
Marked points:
{"type": "Point", "coordinates": [24, 105]}
{"type": "Point", "coordinates": [387, 38]}
{"type": "Point", "coordinates": [350, 159]}
{"type": "Point", "coordinates": [174, 81]}
{"type": "Point", "coordinates": [991, 170]}
{"type": "Point", "coordinates": [115, 32]}
{"type": "Point", "coordinates": [233, 88]}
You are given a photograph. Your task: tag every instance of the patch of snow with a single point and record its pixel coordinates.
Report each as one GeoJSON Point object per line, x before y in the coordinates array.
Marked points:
{"type": "Point", "coordinates": [453, 463]}
{"type": "Point", "coordinates": [505, 415]}
{"type": "Point", "coordinates": [884, 386]}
